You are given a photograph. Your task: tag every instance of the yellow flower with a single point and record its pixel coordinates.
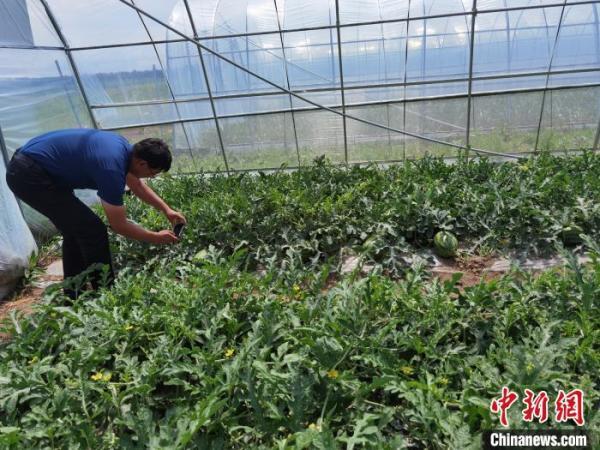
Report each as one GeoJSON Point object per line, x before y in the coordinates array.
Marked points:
{"type": "Point", "coordinates": [314, 427]}
{"type": "Point", "coordinates": [97, 376]}
{"type": "Point", "coordinates": [297, 291]}
{"type": "Point", "coordinates": [71, 383]}
{"type": "Point", "coordinates": [333, 374]}
{"type": "Point", "coordinates": [229, 352]}
{"type": "Point", "coordinates": [33, 360]}
{"type": "Point", "coordinates": [407, 370]}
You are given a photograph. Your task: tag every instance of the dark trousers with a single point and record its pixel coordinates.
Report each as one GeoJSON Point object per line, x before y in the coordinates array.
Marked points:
{"type": "Point", "coordinates": [85, 238]}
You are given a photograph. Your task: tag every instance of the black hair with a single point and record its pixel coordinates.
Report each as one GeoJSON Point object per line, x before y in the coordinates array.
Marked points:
{"type": "Point", "coordinates": [155, 152]}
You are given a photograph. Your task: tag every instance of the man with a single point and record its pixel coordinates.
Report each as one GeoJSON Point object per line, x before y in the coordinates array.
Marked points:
{"type": "Point", "coordinates": [44, 172]}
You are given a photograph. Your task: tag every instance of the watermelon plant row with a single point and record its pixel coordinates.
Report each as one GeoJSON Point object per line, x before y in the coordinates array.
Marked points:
{"type": "Point", "coordinates": [311, 214]}
{"type": "Point", "coordinates": [195, 348]}
{"type": "Point", "coordinates": [204, 355]}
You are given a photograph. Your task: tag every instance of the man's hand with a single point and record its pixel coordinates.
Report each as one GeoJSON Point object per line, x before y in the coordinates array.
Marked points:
{"type": "Point", "coordinates": [175, 216]}
{"type": "Point", "coordinates": [147, 195]}
{"type": "Point", "coordinates": [164, 237]}
{"type": "Point", "coordinates": [118, 221]}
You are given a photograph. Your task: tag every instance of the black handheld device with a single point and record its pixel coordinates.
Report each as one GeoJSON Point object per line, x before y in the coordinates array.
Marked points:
{"type": "Point", "coordinates": [178, 229]}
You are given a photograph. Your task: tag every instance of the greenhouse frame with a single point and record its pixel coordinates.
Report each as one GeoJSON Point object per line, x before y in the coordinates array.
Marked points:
{"type": "Point", "coordinates": [299, 224]}
{"type": "Point", "coordinates": [257, 84]}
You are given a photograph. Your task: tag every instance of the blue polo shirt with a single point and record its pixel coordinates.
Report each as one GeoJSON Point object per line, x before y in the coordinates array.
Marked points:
{"type": "Point", "coordinates": [82, 158]}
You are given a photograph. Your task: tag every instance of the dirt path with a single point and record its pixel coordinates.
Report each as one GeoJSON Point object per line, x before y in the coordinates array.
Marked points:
{"type": "Point", "coordinates": [23, 301]}
{"type": "Point", "coordinates": [474, 270]}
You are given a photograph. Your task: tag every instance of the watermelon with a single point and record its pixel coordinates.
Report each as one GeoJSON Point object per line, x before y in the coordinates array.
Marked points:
{"type": "Point", "coordinates": [570, 235]}
{"type": "Point", "coordinates": [445, 244]}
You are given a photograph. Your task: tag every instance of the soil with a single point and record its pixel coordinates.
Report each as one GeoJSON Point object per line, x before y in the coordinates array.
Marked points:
{"type": "Point", "coordinates": [474, 269]}
{"type": "Point", "coordinates": [23, 301]}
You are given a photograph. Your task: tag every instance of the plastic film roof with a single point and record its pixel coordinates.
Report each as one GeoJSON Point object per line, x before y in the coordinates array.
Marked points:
{"type": "Point", "coordinates": [250, 84]}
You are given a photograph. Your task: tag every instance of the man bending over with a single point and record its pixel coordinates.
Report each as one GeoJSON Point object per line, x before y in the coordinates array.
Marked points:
{"type": "Point", "coordinates": [44, 172]}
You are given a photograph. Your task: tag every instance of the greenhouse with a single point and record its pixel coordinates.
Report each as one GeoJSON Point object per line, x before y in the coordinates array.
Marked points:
{"type": "Point", "coordinates": [233, 224]}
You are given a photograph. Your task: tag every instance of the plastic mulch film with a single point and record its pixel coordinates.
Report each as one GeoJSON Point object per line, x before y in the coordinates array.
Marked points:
{"type": "Point", "coordinates": [16, 241]}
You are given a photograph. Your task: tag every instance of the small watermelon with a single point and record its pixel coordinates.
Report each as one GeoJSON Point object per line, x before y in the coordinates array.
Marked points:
{"type": "Point", "coordinates": [445, 244]}
{"type": "Point", "coordinates": [570, 235]}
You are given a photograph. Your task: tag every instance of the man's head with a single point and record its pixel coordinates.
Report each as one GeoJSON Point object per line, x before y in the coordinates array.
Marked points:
{"type": "Point", "coordinates": [150, 157]}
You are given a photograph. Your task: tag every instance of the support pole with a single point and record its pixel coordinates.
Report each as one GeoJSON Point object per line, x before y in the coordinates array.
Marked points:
{"type": "Point", "coordinates": [287, 79]}
{"type": "Point", "coordinates": [3, 149]}
{"type": "Point", "coordinates": [339, 45]}
{"type": "Point", "coordinates": [597, 138]}
{"type": "Point", "coordinates": [71, 61]}
{"type": "Point", "coordinates": [308, 100]}
{"type": "Point", "coordinates": [404, 81]}
{"type": "Point", "coordinates": [212, 103]}
{"type": "Point", "coordinates": [470, 82]}
{"type": "Point", "coordinates": [537, 137]}
{"type": "Point", "coordinates": [171, 92]}
{"type": "Point", "coordinates": [65, 87]}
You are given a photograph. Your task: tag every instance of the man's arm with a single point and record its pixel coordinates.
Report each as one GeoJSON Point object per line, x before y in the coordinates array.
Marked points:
{"type": "Point", "coordinates": [118, 222]}
{"type": "Point", "coordinates": [147, 195]}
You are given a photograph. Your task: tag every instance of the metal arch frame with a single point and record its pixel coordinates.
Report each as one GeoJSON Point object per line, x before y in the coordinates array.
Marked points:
{"type": "Point", "coordinates": [171, 92]}
{"type": "Point", "coordinates": [324, 27]}
{"type": "Point", "coordinates": [30, 47]}
{"type": "Point", "coordinates": [470, 82]}
{"type": "Point", "coordinates": [597, 137]}
{"type": "Point", "coordinates": [560, 21]}
{"type": "Point", "coordinates": [549, 68]}
{"type": "Point", "coordinates": [353, 163]}
{"type": "Point", "coordinates": [508, 39]}
{"type": "Point", "coordinates": [306, 99]}
{"type": "Point", "coordinates": [363, 104]}
{"type": "Point", "coordinates": [385, 72]}
{"type": "Point", "coordinates": [513, 39]}
{"type": "Point", "coordinates": [377, 22]}
{"type": "Point", "coordinates": [262, 33]}
{"type": "Point", "coordinates": [508, 109]}
{"type": "Point", "coordinates": [341, 69]}
{"type": "Point", "coordinates": [248, 53]}
{"type": "Point", "coordinates": [3, 149]}
{"type": "Point", "coordinates": [405, 78]}
{"type": "Point", "coordinates": [287, 79]}
{"type": "Point", "coordinates": [208, 89]}
{"type": "Point", "coordinates": [209, 50]}
{"type": "Point", "coordinates": [597, 31]}
{"type": "Point", "coordinates": [340, 25]}
{"type": "Point", "coordinates": [65, 88]}
{"type": "Point", "coordinates": [275, 55]}
{"type": "Point", "coordinates": [424, 52]}
{"type": "Point", "coordinates": [353, 87]}
{"type": "Point", "coordinates": [67, 50]}
{"type": "Point", "coordinates": [331, 49]}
